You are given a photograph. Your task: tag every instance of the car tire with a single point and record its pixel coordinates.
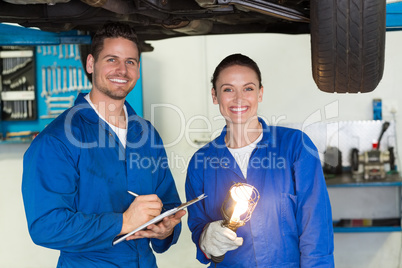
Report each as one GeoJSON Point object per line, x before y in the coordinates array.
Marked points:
{"type": "Point", "coordinates": [347, 44]}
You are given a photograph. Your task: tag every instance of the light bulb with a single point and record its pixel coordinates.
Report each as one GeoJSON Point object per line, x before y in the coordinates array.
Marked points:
{"type": "Point", "coordinates": [240, 209]}
{"type": "Point", "coordinates": [241, 194]}
{"type": "Point", "coordinates": [237, 208]}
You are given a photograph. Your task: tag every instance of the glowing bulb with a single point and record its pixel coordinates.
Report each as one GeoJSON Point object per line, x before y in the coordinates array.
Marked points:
{"type": "Point", "coordinates": [240, 201]}
{"type": "Point", "coordinates": [241, 194]}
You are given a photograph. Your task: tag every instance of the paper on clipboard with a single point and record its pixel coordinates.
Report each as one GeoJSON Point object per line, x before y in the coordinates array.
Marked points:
{"type": "Point", "coordinates": [160, 217]}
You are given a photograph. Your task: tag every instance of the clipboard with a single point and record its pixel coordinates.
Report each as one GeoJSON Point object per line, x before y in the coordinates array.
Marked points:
{"type": "Point", "coordinates": [160, 217]}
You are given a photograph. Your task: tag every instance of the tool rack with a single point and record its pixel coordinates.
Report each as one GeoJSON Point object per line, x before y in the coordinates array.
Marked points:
{"type": "Point", "coordinates": [61, 78]}
{"type": "Point", "coordinates": [17, 87]}
{"type": "Point", "coordinates": [37, 84]}
{"type": "Point", "coordinates": [40, 76]}
{"type": "Point", "coordinates": [54, 76]}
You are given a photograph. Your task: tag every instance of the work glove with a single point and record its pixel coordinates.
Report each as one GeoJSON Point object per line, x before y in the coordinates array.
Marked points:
{"type": "Point", "coordinates": [216, 240]}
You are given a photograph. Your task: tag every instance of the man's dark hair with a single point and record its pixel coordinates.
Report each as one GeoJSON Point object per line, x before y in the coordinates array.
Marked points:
{"type": "Point", "coordinates": [112, 30]}
{"type": "Point", "coordinates": [235, 59]}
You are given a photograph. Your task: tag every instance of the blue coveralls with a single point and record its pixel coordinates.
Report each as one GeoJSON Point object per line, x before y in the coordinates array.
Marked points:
{"type": "Point", "coordinates": [292, 223]}
{"type": "Point", "coordinates": [75, 181]}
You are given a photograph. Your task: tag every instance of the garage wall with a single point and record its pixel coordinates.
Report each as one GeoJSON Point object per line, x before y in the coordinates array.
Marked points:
{"type": "Point", "coordinates": [177, 99]}
{"type": "Point", "coordinates": [177, 74]}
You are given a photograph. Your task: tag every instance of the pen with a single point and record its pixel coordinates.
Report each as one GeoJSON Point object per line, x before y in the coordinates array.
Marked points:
{"type": "Point", "coordinates": [134, 194]}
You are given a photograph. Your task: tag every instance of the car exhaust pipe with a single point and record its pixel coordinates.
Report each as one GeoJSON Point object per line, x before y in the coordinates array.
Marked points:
{"type": "Point", "coordinates": [116, 6]}
{"type": "Point", "coordinates": [195, 27]}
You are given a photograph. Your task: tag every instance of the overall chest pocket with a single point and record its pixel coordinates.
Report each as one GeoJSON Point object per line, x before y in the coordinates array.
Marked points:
{"type": "Point", "coordinates": [288, 213]}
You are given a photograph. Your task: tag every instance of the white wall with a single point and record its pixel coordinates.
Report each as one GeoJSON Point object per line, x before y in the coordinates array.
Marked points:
{"type": "Point", "coordinates": [17, 249]}
{"type": "Point", "coordinates": [177, 75]}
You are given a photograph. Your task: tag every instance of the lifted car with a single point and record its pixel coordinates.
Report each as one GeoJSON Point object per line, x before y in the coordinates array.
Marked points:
{"type": "Point", "coordinates": [347, 37]}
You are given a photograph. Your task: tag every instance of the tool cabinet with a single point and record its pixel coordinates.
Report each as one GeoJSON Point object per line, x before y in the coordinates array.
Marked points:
{"type": "Point", "coordinates": [18, 98]}
{"type": "Point", "coordinates": [38, 83]}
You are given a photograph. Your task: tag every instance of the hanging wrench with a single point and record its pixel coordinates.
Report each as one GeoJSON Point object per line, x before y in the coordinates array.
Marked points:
{"type": "Point", "coordinates": [70, 99]}
{"type": "Point", "coordinates": [64, 79]}
{"type": "Point", "coordinates": [61, 51]}
{"type": "Point", "coordinates": [58, 105]}
{"type": "Point", "coordinates": [49, 80]}
{"type": "Point", "coordinates": [44, 92]}
{"type": "Point", "coordinates": [70, 79]}
{"type": "Point", "coordinates": [30, 103]}
{"type": "Point", "coordinates": [71, 51]}
{"type": "Point", "coordinates": [54, 81]}
{"type": "Point", "coordinates": [77, 52]}
{"type": "Point", "coordinates": [75, 79]}
{"type": "Point", "coordinates": [58, 79]}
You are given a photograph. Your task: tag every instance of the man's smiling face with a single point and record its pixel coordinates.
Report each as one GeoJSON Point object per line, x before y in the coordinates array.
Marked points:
{"type": "Point", "coordinates": [117, 68]}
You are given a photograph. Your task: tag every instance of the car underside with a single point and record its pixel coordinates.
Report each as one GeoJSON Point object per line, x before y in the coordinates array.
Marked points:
{"type": "Point", "coordinates": [154, 20]}
{"type": "Point", "coordinates": [331, 23]}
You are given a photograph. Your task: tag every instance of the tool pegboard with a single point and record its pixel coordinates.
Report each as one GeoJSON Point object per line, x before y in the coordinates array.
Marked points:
{"type": "Point", "coordinates": [38, 83]}
{"type": "Point", "coordinates": [17, 76]}
{"type": "Point", "coordinates": [61, 78]}
{"type": "Point", "coordinates": [42, 80]}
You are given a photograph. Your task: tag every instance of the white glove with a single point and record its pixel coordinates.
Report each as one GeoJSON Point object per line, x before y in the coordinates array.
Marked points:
{"type": "Point", "coordinates": [216, 240]}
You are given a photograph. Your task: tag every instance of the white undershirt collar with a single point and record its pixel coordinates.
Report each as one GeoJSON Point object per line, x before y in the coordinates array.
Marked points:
{"type": "Point", "coordinates": [120, 132]}
{"type": "Point", "coordinates": [242, 155]}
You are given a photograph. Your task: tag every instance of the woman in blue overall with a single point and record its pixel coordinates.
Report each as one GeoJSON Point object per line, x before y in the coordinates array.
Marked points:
{"type": "Point", "coordinates": [291, 225]}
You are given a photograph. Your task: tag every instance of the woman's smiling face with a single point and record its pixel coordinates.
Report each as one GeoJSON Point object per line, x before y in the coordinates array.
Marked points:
{"type": "Point", "coordinates": [238, 93]}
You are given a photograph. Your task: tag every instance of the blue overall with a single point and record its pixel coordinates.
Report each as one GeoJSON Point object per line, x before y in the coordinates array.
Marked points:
{"type": "Point", "coordinates": [292, 223]}
{"type": "Point", "coordinates": [75, 181]}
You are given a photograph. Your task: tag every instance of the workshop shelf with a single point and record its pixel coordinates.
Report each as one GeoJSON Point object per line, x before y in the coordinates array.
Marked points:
{"type": "Point", "coordinates": [349, 180]}
{"type": "Point", "coordinates": [367, 229]}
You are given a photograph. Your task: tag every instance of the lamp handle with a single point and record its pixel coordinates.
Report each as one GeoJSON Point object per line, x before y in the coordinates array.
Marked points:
{"type": "Point", "coordinates": [218, 259]}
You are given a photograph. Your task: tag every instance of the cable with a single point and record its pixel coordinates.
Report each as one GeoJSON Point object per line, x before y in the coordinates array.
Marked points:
{"type": "Point", "coordinates": [393, 112]}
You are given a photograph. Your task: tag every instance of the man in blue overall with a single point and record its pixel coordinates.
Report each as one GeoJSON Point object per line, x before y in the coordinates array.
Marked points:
{"type": "Point", "coordinates": [78, 170]}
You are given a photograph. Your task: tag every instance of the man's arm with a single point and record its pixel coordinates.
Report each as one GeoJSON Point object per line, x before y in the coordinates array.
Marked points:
{"type": "Point", "coordinates": [49, 188]}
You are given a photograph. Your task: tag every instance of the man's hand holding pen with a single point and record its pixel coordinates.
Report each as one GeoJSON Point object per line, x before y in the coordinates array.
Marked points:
{"type": "Point", "coordinates": [143, 209]}
{"type": "Point", "coordinates": [162, 229]}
